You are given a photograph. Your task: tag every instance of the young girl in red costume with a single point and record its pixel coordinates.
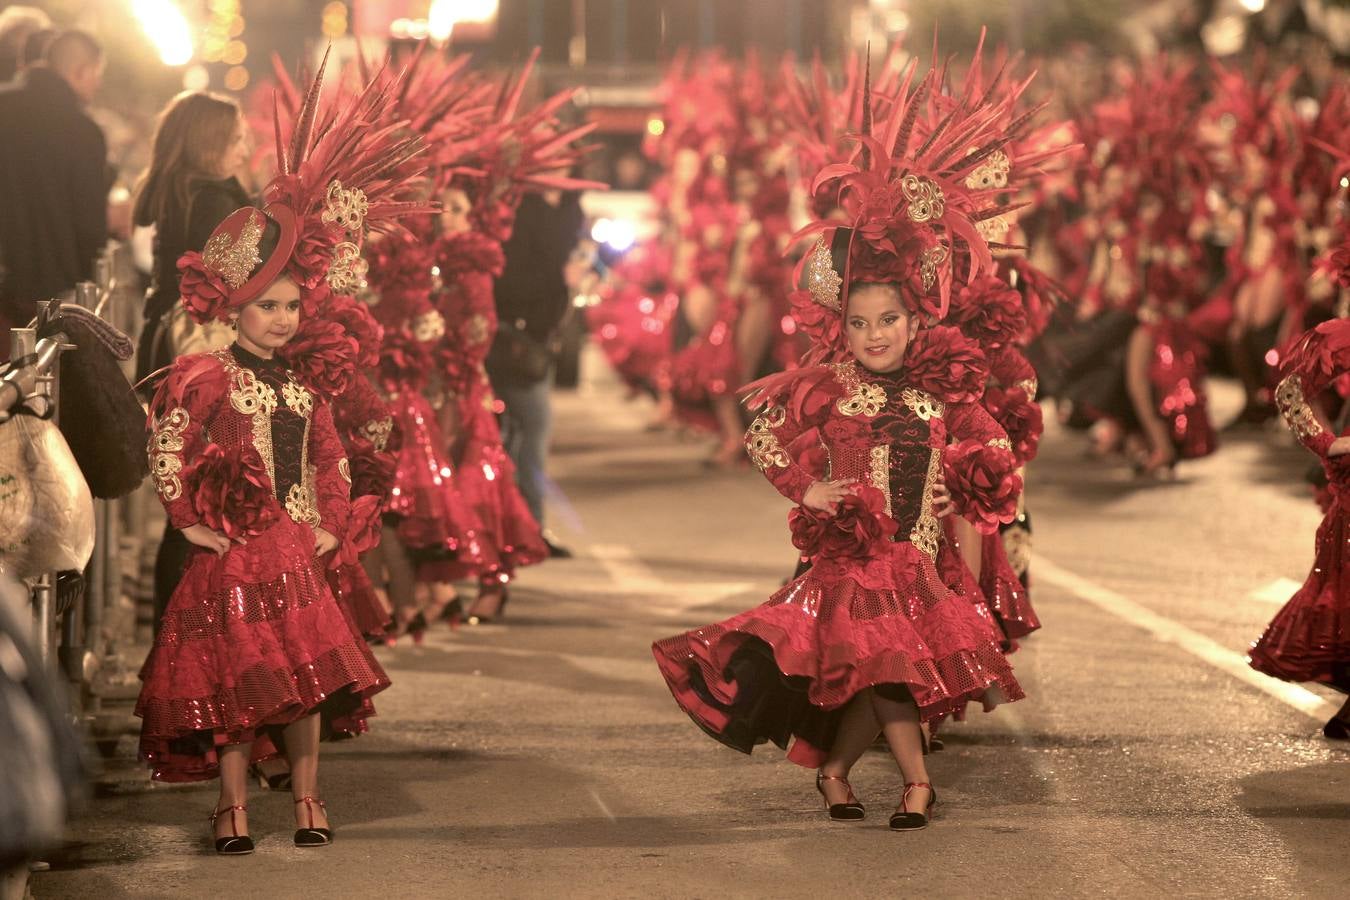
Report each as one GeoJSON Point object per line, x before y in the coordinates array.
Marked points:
{"type": "Point", "coordinates": [870, 639]}
{"type": "Point", "coordinates": [1309, 639]}
{"type": "Point", "coordinates": [255, 655]}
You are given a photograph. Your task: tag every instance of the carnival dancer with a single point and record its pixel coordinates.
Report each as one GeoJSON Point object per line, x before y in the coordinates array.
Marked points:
{"type": "Point", "coordinates": [1309, 638]}
{"type": "Point", "coordinates": [255, 656]}
{"type": "Point", "coordinates": [870, 639]}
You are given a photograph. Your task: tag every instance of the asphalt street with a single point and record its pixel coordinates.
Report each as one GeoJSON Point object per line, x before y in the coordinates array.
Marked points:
{"type": "Point", "coordinates": [544, 757]}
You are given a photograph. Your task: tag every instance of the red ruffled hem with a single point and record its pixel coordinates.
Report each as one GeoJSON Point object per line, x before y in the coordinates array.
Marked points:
{"type": "Point", "coordinates": [356, 594]}
{"type": "Point", "coordinates": [1009, 600]}
{"type": "Point", "coordinates": [839, 638]}
{"type": "Point", "coordinates": [233, 657]}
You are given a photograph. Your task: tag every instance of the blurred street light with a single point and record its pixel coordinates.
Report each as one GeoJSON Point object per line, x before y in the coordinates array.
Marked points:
{"type": "Point", "coordinates": [164, 24]}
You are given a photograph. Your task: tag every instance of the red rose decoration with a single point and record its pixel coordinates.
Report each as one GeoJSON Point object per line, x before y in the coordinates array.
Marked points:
{"type": "Point", "coordinates": [470, 251]}
{"type": "Point", "coordinates": [855, 531]}
{"type": "Point", "coordinates": [823, 326]}
{"type": "Point", "coordinates": [203, 293]}
{"type": "Point", "coordinates": [363, 530]}
{"type": "Point", "coordinates": [231, 493]}
{"type": "Point", "coordinates": [323, 355]}
{"type": "Point", "coordinates": [947, 364]}
{"type": "Point", "coordinates": [988, 312]}
{"type": "Point", "coordinates": [404, 361]}
{"type": "Point", "coordinates": [373, 472]}
{"type": "Point", "coordinates": [1018, 416]}
{"type": "Point", "coordinates": [313, 252]}
{"type": "Point", "coordinates": [983, 483]}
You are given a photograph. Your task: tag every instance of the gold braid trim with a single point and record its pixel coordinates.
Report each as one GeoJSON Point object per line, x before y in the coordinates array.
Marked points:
{"type": "Point", "coordinates": [166, 443]}
{"type": "Point", "coordinates": [1298, 415]}
{"type": "Point", "coordinates": [927, 532]}
{"type": "Point", "coordinates": [881, 472]}
{"type": "Point", "coordinates": [762, 444]}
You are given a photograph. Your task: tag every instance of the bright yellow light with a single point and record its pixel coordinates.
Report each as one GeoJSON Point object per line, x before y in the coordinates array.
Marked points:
{"type": "Point", "coordinates": [1253, 6]}
{"type": "Point", "coordinates": [164, 24]}
{"type": "Point", "coordinates": [235, 53]}
{"type": "Point", "coordinates": [655, 127]}
{"type": "Point", "coordinates": [444, 15]}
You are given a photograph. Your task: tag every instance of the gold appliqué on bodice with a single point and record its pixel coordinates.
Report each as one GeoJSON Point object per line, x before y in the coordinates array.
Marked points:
{"type": "Point", "coordinates": [1001, 443]}
{"type": "Point", "coordinates": [166, 443]}
{"type": "Point", "coordinates": [477, 329]}
{"type": "Point", "coordinates": [1297, 413]}
{"type": "Point", "coordinates": [762, 444]}
{"type": "Point", "coordinates": [298, 400]}
{"type": "Point", "coordinates": [880, 460]}
{"type": "Point", "coordinates": [345, 470]}
{"type": "Point", "coordinates": [1028, 386]}
{"type": "Point", "coordinates": [927, 531]}
{"type": "Point", "coordinates": [300, 504]}
{"type": "Point", "coordinates": [923, 404]}
{"type": "Point", "coordinates": [249, 396]}
{"type": "Point", "coordinates": [861, 398]}
{"type": "Point", "coordinates": [429, 326]}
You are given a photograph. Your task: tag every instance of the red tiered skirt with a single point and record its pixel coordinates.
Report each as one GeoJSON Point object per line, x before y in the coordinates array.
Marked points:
{"type": "Point", "coordinates": [431, 514]}
{"type": "Point", "coordinates": [251, 642]}
{"type": "Point", "coordinates": [1309, 639]}
{"type": "Point", "coordinates": [784, 670]}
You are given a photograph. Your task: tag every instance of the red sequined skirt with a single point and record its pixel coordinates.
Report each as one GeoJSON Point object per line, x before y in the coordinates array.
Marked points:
{"type": "Point", "coordinates": [355, 592]}
{"type": "Point", "coordinates": [250, 642]}
{"type": "Point", "coordinates": [1177, 372]}
{"type": "Point", "coordinates": [431, 514]}
{"type": "Point", "coordinates": [784, 670]}
{"type": "Point", "coordinates": [504, 535]}
{"type": "Point", "coordinates": [998, 592]}
{"type": "Point", "coordinates": [1309, 639]}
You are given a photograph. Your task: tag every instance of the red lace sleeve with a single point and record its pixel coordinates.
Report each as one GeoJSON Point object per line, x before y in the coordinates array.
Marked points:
{"type": "Point", "coordinates": [332, 480]}
{"type": "Point", "coordinates": [183, 405]}
{"type": "Point", "coordinates": [779, 425]}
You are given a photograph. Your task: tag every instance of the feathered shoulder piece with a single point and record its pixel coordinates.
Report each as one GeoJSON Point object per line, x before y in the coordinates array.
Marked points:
{"type": "Point", "coordinates": [344, 168]}
{"type": "Point", "coordinates": [945, 363]}
{"type": "Point", "coordinates": [1320, 356]}
{"type": "Point", "coordinates": [195, 380]}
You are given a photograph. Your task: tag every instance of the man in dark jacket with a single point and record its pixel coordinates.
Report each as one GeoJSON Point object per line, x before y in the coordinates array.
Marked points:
{"type": "Point", "coordinates": [53, 177]}
{"type": "Point", "coordinates": [532, 298]}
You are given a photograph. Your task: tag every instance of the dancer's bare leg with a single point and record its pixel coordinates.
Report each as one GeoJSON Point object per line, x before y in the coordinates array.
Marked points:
{"type": "Point", "coordinates": [302, 746]}
{"type": "Point", "coordinates": [900, 724]}
{"type": "Point", "coordinates": [858, 728]}
{"type": "Point", "coordinates": [233, 789]}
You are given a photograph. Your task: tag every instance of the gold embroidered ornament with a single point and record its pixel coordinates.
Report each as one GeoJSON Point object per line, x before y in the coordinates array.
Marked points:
{"type": "Point", "coordinates": [250, 396]}
{"type": "Point", "coordinates": [299, 507]}
{"type": "Point", "coordinates": [862, 398]}
{"type": "Point", "coordinates": [822, 280]}
{"type": "Point", "coordinates": [298, 400]}
{"type": "Point", "coordinates": [923, 404]}
{"type": "Point", "coordinates": [377, 431]}
{"type": "Point", "coordinates": [762, 444]}
{"type": "Point", "coordinates": [928, 265]}
{"type": "Point", "coordinates": [166, 443]}
{"type": "Point", "coordinates": [345, 208]}
{"type": "Point", "coordinates": [429, 326]}
{"type": "Point", "coordinates": [234, 259]}
{"type": "Point", "coordinates": [991, 174]}
{"type": "Point", "coordinates": [926, 201]}
{"type": "Point", "coordinates": [347, 271]}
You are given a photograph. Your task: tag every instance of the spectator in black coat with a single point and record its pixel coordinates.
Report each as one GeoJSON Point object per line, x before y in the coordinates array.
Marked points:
{"type": "Point", "coordinates": [532, 298]}
{"type": "Point", "coordinates": [54, 177]}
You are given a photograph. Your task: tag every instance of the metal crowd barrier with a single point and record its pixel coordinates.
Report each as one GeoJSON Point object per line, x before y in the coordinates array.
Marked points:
{"type": "Point", "coordinates": [81, 645]}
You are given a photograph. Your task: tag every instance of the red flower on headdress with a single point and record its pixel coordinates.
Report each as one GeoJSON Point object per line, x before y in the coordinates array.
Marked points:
{"type": "Point", "coordinates": [989, 312]}
{"type": "Point", "coordinates": [854, 531]}
{"type": "Point", "coordinates": [323, 354]}
{"type": "Point", "coordinates": [821, 325]}
{"type": "Point", "coordinates": [231, 492]}
{"type": "Point", "coordinates": [947, 364]}
{"type": "Point", "coordinates": [203, 293]}
{"type": "Point", "coordinates": [983, 482]}
{"type": "Point", "coordinates": [313, 252]}
{"type": "Point", "coordinates": [1019, 416]}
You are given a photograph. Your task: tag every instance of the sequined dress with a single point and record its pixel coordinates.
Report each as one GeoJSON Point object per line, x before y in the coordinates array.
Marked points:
{"type": "Point", "coordinates": [1309, 638]}
{"type": "Point", "coordinates": [784, 670]}
{"type": "Point", "coordinates": [501, 534]}
{"type": "Point", "coordinates": [254, 639]}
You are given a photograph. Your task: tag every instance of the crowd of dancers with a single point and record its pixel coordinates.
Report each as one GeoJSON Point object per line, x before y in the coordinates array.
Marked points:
{"type": "Point", "coordinates": [893, 267]}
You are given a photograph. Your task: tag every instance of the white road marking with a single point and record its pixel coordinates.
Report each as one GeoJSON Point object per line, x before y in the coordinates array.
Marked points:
{"type": "Point", "coordinates": [1277, 592]}
{"type": "Point", "coordinates": [630, 575]}
{"type": "Point", "coordinates": [1168, 631]}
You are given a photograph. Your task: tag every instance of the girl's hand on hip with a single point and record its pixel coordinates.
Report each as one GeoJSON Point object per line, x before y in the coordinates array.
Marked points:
{"type": "Point", "coordinates": [824, 496]}
{"type": "Point", "coordinates": [324, 542]}
{"type": "Point", "coordinates": [202, 536]}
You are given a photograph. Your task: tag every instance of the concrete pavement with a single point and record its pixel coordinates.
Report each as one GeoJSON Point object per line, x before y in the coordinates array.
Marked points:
{"type": "Point", "coordinates": [543, 756]}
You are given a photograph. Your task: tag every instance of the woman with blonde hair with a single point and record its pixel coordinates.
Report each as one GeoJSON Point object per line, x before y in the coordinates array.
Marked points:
{"type": "Point", "coordinates": [201, 142]}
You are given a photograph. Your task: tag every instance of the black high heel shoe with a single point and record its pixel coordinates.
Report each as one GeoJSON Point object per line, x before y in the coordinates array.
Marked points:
{"type": "Point", "coordinates": [903, 820]}
{"type": "Point", "coordinates": [236, 844]}
{"type": "Point", "coordinates": [848, 811]}
{"type": "Point", "coordinates": [500, 614]}
{"type": "Point", "coordinates": [1337, 729]}
{"type": "Point", "coordinates": [311, 836]}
